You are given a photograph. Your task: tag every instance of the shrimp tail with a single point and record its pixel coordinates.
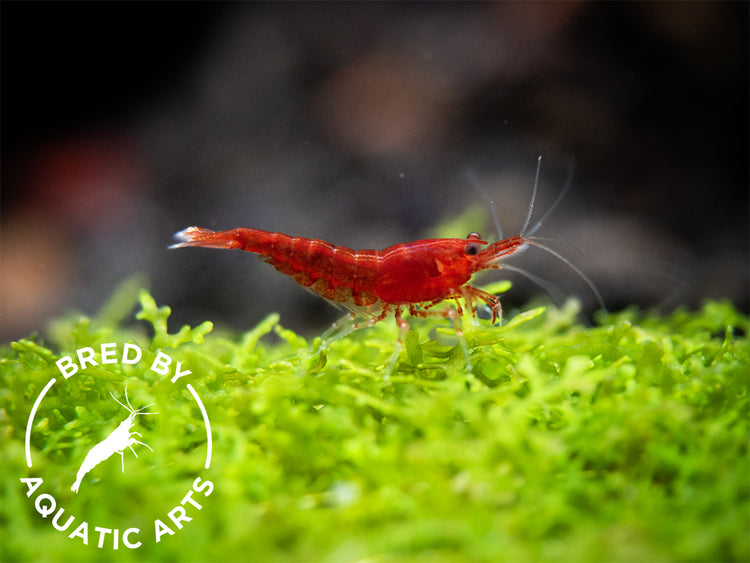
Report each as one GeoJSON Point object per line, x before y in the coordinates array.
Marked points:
{"type": "Point", "coordinates": [251, 240]}
{"type": "Point", "coordinates": [198, 236]}
{"type": "Point", "coordinates": [88, 464]}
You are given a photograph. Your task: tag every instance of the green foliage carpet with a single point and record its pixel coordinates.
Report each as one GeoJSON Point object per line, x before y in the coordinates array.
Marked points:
{"type": "Point", "coordinates": [622, 441]}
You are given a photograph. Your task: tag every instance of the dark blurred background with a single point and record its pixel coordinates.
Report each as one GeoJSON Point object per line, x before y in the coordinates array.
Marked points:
{"type": "Point", "coordinates": [362, 124]}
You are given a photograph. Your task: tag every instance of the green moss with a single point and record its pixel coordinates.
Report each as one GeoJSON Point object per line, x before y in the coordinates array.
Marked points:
{"type": "Point", "coordinates": [623, 441]}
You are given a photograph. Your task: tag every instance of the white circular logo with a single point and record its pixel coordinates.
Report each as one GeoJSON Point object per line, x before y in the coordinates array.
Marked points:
{"type": "Point", "coordinates": [130, 430]}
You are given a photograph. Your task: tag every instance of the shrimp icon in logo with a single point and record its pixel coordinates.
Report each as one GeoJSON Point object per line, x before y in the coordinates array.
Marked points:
{"type": "Point", "coordinates": [119, 439]}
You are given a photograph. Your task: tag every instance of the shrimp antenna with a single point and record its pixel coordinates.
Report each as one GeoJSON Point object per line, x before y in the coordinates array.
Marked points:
{"type": "Point", "coordinates": [545, 284]}
{"type": "Point", "coordinates": [477, 185]}
{"type": "Point", "coordinates": [569, 243]}
{"type": "Point", "coordinates": [533, 195]}
{"type": "Point", "coordinates": [566, 187]}
{"type": "Point", "coordinates": [129, 408]}
{"type": "Point", "coordinates": [575, 268]}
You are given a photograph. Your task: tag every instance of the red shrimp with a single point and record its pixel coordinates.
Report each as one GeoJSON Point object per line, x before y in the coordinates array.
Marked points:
{"type": "Point", "coordinates": [413, 276]}
{"type": "Point", "coordinates": [410, 276]}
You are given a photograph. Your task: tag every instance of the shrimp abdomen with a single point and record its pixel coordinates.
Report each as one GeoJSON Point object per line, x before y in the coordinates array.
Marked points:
{"type": "Point", "coordinates": [336, 273]}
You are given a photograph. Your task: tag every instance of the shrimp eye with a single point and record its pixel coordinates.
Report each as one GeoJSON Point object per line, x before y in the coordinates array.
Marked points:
{"type": "Point", "coordinates": [473, 248]}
